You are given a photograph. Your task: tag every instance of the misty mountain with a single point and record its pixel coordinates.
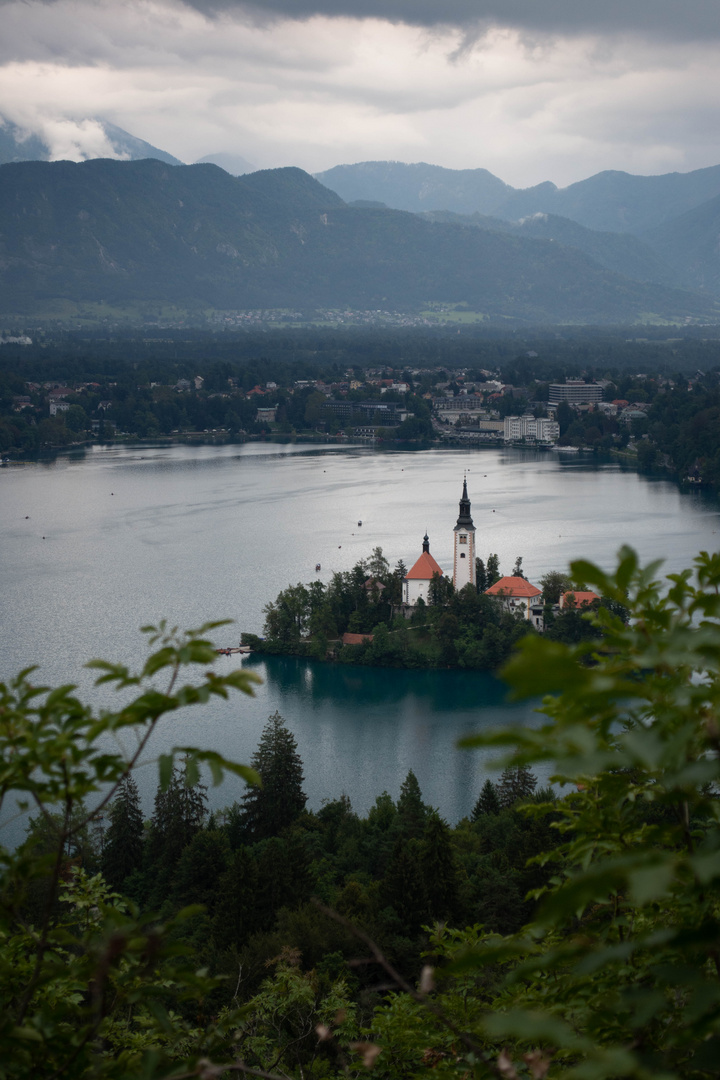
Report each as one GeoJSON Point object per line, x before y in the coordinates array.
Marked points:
{"type": "Point", "coordinates": [232, 163]}
{"type": "Point", "coordinates": [620, 252]}
{"type": "Point", "coordinates": [131, 232]}
{"type": "Point", "coordinates": [691, 243]}
{"type": "Point", "coordinates": [18, 145]}
{"type": "Point", "coordinates": [609, 201]}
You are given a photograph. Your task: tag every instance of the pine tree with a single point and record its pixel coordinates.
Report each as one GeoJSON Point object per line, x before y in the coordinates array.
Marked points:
{"type": "Point", "coordinates": [236, 914]}
{"type": "Point", "coordinates": [122, 850]}
{"type": "Point", "coordinates": [269, 809]}
{"type": "Point", "coordinates": [403, 887]}
{"type": "Point", "coordinates": [487, 801]}
{"type": "Point", "coordinates": [516, 783]}
{"type": "Point", "coordinates": [440, 872]}
{"type": "Point", "coordinates": [199, 868]}
{"type": "Point", "coordinates": [178, 814]}
{"type": "Point", "coordinates": [412, 811]}
{"type": "Point", "coordinates": [517, 568]}
{"type": "Point", "coordinates": [481, 581]}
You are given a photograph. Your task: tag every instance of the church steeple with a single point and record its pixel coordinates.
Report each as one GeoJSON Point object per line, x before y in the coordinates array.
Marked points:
{"type": "Point", "coordinates": [464, 560]}
{"type": "Point", "coordinates": [464, 520]}
{"type": "Point", "coordinates": [426, 542]}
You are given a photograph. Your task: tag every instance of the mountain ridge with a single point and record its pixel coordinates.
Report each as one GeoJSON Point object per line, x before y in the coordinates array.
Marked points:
{"type": "Point", "coordinates": [611, 200]}
{"type": "Point", "coordinates": [129, 231]}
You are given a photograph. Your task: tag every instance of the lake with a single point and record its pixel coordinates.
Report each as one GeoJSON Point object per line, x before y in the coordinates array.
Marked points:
{"type": "Point", "coordinates": [96, 544]}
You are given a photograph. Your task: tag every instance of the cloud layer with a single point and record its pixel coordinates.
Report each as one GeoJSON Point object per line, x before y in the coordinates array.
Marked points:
{"type": "Point", "coordinates": [530, 91]}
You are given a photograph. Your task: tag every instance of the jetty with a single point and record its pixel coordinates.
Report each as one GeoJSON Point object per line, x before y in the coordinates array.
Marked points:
{"type": "Point", "coordinates": [242, 649]}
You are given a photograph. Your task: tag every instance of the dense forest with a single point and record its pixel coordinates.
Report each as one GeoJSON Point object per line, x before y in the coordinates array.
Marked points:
{"type": "Point", "coordinates": [568, 933]}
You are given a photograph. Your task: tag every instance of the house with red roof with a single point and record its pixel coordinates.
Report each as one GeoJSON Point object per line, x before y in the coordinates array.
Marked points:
{"type": "Point", "coordinates": [578, 598]}
{"type": "Point", "coordinates": [416, 585]}
{"type": "Point", "coordinates": [519, 596]}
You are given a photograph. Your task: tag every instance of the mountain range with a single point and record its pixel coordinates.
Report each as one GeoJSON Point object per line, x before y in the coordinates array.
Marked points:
{"type": "Point", "coordinates": [125, 232]}
{"type": "Point", "coordinates": [609, 201]}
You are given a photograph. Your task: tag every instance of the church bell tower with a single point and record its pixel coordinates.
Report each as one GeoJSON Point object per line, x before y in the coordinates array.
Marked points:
{"type": "Point", "coordinates": [464, 560]}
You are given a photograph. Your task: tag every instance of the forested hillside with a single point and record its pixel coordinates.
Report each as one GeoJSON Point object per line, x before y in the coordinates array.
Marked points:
{"type": "Point", "coordinates": [132, 232]}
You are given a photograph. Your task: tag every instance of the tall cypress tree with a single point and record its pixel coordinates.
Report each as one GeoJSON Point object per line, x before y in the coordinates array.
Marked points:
{"type": "Point", "coordinates": [269, 809]}
{"type": "Point", "coordinates": [122, 852]}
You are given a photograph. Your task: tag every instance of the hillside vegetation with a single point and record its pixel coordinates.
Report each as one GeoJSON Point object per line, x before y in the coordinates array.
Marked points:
{"type": "Point", "coordinates": [564, 933]}
{"type": "Point", "coordinates": [194, 236]}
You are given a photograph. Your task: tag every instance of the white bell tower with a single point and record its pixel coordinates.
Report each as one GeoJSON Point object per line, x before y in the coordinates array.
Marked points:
{"type": "Point", "coordinates": [464, 550]}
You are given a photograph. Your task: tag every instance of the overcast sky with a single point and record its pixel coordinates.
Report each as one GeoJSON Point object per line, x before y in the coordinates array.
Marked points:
{"type": "Point", "coordinates": [530, 89]}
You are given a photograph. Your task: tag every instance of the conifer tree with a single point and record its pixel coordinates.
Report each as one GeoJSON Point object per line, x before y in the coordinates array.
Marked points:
{"type": "Point", "coordinates": [269, 809]}
{"type": "Point", "coordinates": [492, 570]}
{"type": "Point", "coordinates": [122, 851]}
{"type": "Point", "coordinates": [178, 814]}
{"type": "Point", "coordinates": [516, 783]}
{"type": "Point", "coordinates": [236, 914]}
{"type": "Point", "coordinates": [199, 868]}
{"type": "Point", "coordinates": [404, 885]}
{"type": "Point", "coordinates": [481, 581]}
{"type": "Point", "coordinates": [400, 570]}
{"type": "Point", "coordinates": [412, 811]}
{"type": "Point", "coordinates": [487, 801]}
{"type": "Point", "coordinates": [440, 872]}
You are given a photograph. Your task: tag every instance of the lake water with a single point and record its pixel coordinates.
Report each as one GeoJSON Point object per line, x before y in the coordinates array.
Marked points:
{"type": "Point", "coordinates": [98, 544]}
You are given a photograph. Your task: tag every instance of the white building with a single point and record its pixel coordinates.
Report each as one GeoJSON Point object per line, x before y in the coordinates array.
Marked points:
{"type": "Point", "coordinates": [520, 597]}
{"type": "Point", "coordinates": [464, 554]}
{"type": "Point", "coordinates": [416, 585]}
{"type": "Point", "coordinates": [530, 428]}
{"type": "Point", "coordinates": [575, 392]}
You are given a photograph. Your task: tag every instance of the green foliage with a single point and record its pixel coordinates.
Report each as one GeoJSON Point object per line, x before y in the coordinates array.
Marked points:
{"type": "Point", "coordinates": [123, 845]}
{"type": "Point", "coordinates": [87, 985]}
{"type": "Point", "coordinates": [270, 809]}
{"type": "Point", "coordinates": [617, 973]}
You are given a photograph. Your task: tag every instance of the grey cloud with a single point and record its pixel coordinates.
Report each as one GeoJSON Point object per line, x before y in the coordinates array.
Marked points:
{"type": "Point", "coordinates": [658, 19]}
{"type": "Point", "coordinates": [668, 19]}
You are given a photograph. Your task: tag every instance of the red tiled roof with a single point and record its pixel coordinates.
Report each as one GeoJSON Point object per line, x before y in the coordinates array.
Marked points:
{"type": "Point", "coordinates": [581, 598]}
{"type": "Point", "coordinates": [513, 586]}
{"type": "Point", "coordinates": [355, 639]}
{"type": "Point", "coordinates": [424, 568]}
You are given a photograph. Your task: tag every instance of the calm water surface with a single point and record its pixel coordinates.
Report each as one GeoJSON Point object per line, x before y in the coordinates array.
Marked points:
{"type": "Point", "coordinates": [94, 546]}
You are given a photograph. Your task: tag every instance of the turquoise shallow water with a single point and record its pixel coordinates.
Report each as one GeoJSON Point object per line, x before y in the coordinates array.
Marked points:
{"type": "Point", "coordinates": [94, 546]}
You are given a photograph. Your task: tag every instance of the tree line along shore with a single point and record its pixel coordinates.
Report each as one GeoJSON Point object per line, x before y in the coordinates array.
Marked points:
{"type": "Point", "coordinates": [357, 618]}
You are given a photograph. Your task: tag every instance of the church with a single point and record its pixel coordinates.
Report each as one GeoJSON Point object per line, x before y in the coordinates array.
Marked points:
{"type": "Point", "coordinates": [417, 583]}
{"type": "Point", "coordinates": [515, 593]}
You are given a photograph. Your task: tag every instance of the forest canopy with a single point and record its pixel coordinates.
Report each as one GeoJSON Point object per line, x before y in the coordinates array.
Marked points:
{"type": "Point", "coordinates": [568, 932]}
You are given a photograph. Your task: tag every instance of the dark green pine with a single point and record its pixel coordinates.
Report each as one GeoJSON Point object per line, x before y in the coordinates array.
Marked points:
{"type": "Point", "coordinates": [122, 850]}
{"type": "Point", "coordinates": [487, 801]}
{"type": "Point", "coordinates": [270, 809]}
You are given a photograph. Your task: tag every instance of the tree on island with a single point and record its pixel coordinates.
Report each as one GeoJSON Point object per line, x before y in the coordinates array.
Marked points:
{"type": "Point", "coordinates": [492, 570]}
{"type": "Point", "coordinates": [270, 809]}
{"type": "Point", "coordinates": [553, 585]}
